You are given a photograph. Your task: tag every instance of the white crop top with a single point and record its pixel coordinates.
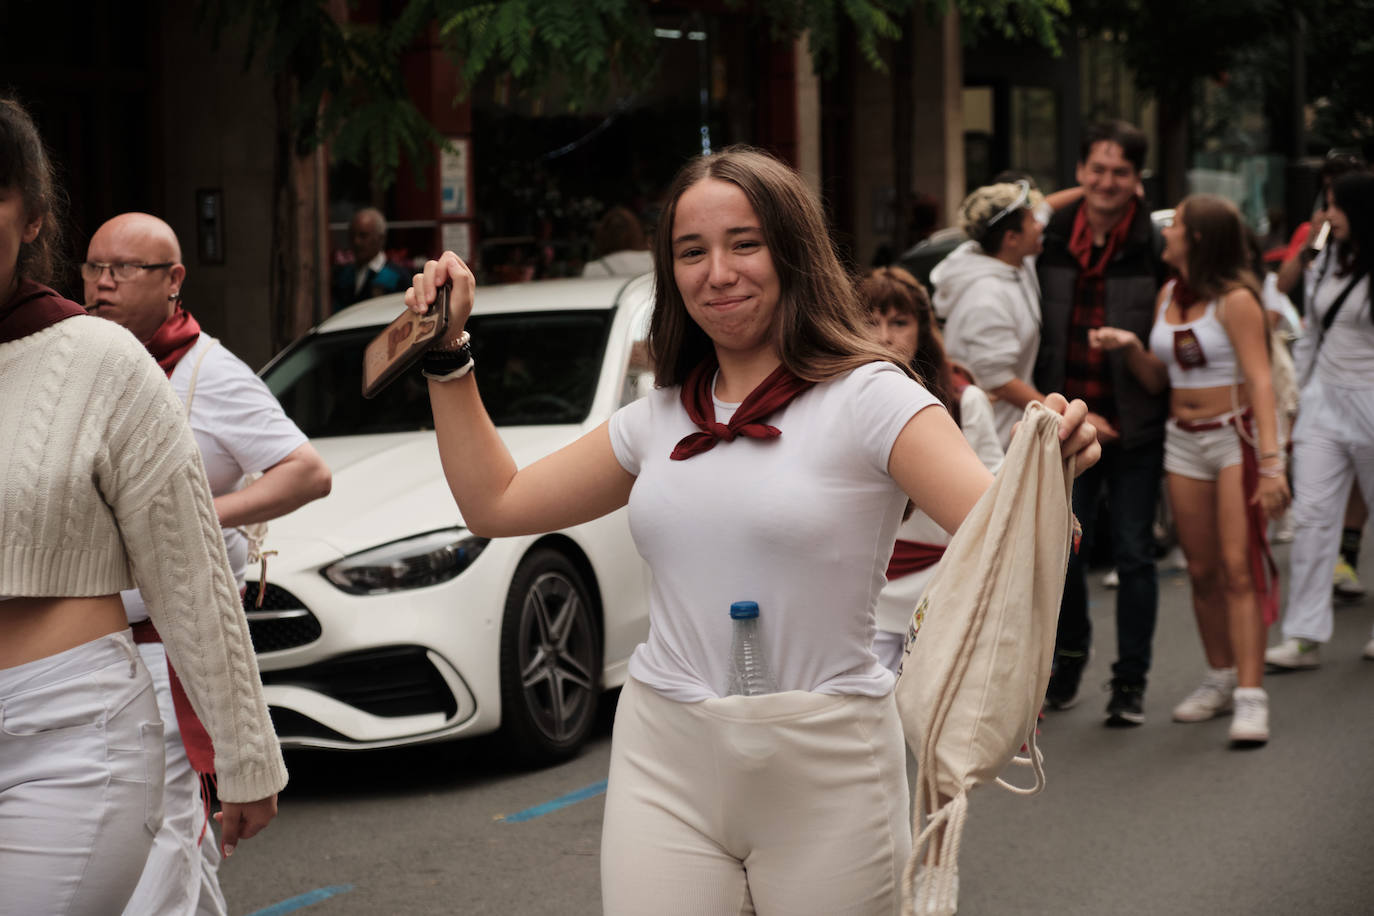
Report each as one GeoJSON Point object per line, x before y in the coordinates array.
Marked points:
{"type": "Point", "coordinates": [803, 524]}
{"type": "Point", "coordinates": [1198, 352]}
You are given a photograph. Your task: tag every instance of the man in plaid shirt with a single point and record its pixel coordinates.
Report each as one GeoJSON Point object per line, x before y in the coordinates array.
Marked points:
{"type": "Point", "coordinates": [1101, 267]}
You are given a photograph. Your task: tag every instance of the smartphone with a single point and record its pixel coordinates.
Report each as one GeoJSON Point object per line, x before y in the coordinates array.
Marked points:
{"type": "Point", "coordinates": [402, 343]}
{"type": "Point", "coordinates": [1319, 242]}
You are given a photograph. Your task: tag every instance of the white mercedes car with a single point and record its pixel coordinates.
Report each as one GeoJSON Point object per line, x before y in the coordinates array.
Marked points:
{"type": "Point", "coordinates": [384, 621]}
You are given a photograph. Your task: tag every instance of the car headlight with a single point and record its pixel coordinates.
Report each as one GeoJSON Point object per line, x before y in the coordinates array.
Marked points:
{"type": "Point", "coordinates": [415, 562]}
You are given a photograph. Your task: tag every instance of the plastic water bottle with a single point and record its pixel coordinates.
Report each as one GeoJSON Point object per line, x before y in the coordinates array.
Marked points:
{"type": "Point", "coordinates": [749, 673]}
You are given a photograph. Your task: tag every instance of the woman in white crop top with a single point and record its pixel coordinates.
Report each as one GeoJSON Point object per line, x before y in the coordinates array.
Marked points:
{"type": "Point", "coordinates": [772, 464]}
{"type": "Point", "coordinates": [1224, 468]}
{"type": "Point", "coordinates": [101, 478]}
{"type": "Point", "coordinates": [1333, 439]}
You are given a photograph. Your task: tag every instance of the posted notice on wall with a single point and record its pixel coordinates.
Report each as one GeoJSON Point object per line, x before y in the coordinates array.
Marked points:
{"type": "Point", "coordinates": [455, 178]}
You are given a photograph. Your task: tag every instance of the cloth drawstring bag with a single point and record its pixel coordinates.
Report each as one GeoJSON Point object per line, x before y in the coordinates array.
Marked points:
{"type": "Point", "coordinates": [979, 649]}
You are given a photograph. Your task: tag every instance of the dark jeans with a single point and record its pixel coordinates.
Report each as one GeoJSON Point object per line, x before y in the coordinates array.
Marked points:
{"type": "Point", "coordinates": [1132, 479]}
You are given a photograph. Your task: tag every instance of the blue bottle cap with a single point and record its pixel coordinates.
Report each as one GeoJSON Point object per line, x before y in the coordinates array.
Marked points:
{"type": "Point", "coordinates": [744, 610]}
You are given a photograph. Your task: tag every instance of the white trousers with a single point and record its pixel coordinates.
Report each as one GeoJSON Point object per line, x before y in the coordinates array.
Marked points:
{"type": "Point", "coordinates": [181, 876]}
{"type": "Point", "coordinates": [80, 779]}
{"type": "Point", "coordinates": [790, 804]}
{"type": "Point", "coordinates": [1333, 445]}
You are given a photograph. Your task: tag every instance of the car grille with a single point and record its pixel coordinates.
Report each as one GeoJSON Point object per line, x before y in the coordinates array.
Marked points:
{"type": "Point", "coordinates": [282, 622]}
{"type": "Point", "coordinates": [393, 681]}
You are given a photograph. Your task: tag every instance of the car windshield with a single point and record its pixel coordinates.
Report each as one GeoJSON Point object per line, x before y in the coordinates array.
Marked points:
{"type": "Point", "coordinates": [536, 368]}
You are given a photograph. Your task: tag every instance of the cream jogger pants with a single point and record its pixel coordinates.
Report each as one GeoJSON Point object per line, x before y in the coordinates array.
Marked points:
{"type": "Point", "coordinates": [790, 804]}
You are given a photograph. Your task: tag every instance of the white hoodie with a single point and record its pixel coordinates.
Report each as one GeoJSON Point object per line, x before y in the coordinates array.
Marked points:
{"type": "Point", "coordinates": [992, 321]}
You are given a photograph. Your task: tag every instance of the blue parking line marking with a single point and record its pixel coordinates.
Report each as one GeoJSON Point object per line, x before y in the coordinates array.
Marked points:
{"type": "Point", "coordinates": [303, 900]}
{"type": "Point", "coordinates": [549, 807]}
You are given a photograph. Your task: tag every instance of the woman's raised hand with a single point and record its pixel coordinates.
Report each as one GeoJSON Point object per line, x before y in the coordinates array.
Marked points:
{"type": "Point", "coordinates": [1112, 339]}
{"type": "Point", "coordinates": [449, 269]}
{"type": "Point", "coordinates": [1077, 436]}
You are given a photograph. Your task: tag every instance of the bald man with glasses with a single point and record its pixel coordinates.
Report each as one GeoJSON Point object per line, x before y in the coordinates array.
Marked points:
{"type": "Point", "coordinates": [133, 276]}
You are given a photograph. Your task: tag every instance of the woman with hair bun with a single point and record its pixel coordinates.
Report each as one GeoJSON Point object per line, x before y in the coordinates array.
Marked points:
{"type": "Point", "coordinates": [987, 293]}
{"type": "Point", "coordinates": [901, 317]}
{"type": "Point", "coordinates": [1222, 462]}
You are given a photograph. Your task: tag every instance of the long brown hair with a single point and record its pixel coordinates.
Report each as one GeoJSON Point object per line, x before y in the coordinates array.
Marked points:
{"type": "Point", "coordinates": [25, 166]}
{"type": "Point", "coordinates": [1218, 255]}
{"type": "Point", "coordinates": [819, 321]}
{"type": "Point", "coordinates": [893, 289]}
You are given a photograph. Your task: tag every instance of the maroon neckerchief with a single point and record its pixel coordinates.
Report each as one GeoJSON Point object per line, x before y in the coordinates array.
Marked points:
{"type": "Point", "coordinates": [1081, 240]}
{"type": "Point", "coordinates": [771, 395]}
{"type": "Point", "coordinates": [33, 308]}
{"type": "Point", "coordinates": [174, 339]}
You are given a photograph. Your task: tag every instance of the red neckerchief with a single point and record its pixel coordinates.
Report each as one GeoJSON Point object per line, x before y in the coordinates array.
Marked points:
{"type": "Point", "coordinates": [771, 395]}
{"type": "Point", "coordinates": [33, 308]}
{"type": "Point", "coordinates": [911, 557]}
{"type": "Point", "coordinates": [174, 339]}
{"type": "Point", "coordinates": [1081, 240]}
{"type": "Point", "coordinates": [1185, 295]}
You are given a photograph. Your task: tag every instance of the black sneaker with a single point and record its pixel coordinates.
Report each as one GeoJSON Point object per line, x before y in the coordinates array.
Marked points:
{"type": "Point", "coordinates": [1126, 708]}
{"type": "Point", "coordinates": [1062, 692]}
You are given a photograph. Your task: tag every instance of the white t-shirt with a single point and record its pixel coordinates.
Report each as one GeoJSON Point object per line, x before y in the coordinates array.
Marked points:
{"type": "Point", "coordinates": [803, 524]}
{"type": "Point", "coordinates": [899, 596]}
{"type": "Point", "coordinates": [240, 429]}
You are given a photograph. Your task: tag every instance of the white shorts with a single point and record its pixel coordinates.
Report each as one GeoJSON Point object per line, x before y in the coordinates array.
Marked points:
{"type": "Point", "coordinates": [793, 803]}
{"type": "Point", "coordinates": [1200, 455]}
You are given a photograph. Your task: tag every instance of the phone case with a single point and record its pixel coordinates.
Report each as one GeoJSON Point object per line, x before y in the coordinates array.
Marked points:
{"type": "Point", "coordinates": [402, 343]}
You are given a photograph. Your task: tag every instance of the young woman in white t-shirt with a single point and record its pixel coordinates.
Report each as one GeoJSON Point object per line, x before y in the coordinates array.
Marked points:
{"type": "Point", "coordinates": [1222, 461]}
{"type": "Point", "coordinates": [901, 318]}
{"type": "Point", "coordinates": [787, 490]}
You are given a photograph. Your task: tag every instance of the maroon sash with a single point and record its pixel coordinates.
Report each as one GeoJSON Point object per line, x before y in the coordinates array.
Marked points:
{"type": "Point", "coordinates": [911, 557]}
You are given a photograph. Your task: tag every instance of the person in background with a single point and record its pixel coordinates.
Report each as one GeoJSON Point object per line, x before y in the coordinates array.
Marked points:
{"type": "Point", "coordinates": [621, 249]}
{"type": "Point", "coordinates": [901, 318]}
{"type": "Point", "coordinates": [103, 490]}
{"type": "Point", "coordinates": [773, 465]}
{"type": "Point", "coordinates": [370, 274]}
{"type": "Point", "coordinates": [1221, 451]}
{"type": "Point", "coordinates": [986, 291]}
{"type": "Point", "coordinates": [1333, 439]}
{"type": "Point", "coordinates": [1100, 267]}
{"type": "Point", "coordinates": [240, 430]}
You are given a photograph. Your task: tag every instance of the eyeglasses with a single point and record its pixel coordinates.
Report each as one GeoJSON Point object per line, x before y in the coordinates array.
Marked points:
{"type": "Point", "coordinates": [1021, 200]}
{"type": "Point", "coordinates": [122, 272]}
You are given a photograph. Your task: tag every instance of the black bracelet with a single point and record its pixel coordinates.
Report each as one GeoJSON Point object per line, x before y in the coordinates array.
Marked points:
{"type": "Point", "coordinates": [442, 362]}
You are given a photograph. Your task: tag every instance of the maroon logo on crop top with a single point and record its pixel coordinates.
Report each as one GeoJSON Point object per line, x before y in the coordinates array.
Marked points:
{"type": "Point", "coordinates": [1188, 349]}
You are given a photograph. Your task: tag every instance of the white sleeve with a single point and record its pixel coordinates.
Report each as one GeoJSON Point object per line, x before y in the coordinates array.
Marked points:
{"type": "Point", "coordinates": [243, 416]}
{"type": "Point", "coordinates": [975, 418]}
{"type": "Point", "coordinates": [982, 334]}
{"type": "Point", "coordinates": [629, 428]}
{"type": "Point", "coordinates": [885, 400]}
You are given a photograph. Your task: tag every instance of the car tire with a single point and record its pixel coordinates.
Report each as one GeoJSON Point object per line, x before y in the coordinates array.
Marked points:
{"type": "Point", "coordinates": [550, 661]}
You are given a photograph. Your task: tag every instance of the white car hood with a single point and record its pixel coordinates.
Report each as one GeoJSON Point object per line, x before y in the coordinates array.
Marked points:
{"type": "Point", "coordinates": [387, 487]}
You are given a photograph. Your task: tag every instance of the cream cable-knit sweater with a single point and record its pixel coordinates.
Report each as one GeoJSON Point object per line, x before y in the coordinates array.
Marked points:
{"type": "Point", "coordinates": [101, 488]}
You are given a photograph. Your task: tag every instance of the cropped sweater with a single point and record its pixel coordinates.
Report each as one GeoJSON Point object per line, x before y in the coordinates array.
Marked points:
{"type": "Point", "coordinates": [102, 488]}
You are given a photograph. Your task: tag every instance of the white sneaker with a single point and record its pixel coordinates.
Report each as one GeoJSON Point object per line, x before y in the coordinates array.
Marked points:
{"type": "Point", "coordinates": [1211, 698]}
{"type": "Point", "coordinates": [1345, 582]}
{"type": "Point", "coordinates": [1294, 654]}
{"type": "Point", "coordinates": [1250, 724]}
{"type": "Point", "coordinates": [1369, 649]}
{"type": "Point", "coordinates": [1111, 580]}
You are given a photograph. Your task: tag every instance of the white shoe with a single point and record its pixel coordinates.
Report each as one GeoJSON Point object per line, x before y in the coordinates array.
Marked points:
{"type": "Point", "coordinates": [1369, 649]}
{"type": "Point", "coordinates": [1345, 582]}
{"type": "Point", "coordinates": [1111, 580]}
{"type": "Point", "coordinates": [1175, 559]}
{"type": "Point", "coordinates": [1294, 654]}
{"type": "Point", "coordinates": [1250, 724]}
{"type": "Point", "coordinates": [1211, 698]}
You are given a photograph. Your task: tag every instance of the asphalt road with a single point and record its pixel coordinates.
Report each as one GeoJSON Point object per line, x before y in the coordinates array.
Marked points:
{"type": "Point", "coordinates": [1163, 819]}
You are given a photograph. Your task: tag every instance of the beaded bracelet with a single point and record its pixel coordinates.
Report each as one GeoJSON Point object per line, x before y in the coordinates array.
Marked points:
{"type": "Point", "coordinates": [1272, 472]}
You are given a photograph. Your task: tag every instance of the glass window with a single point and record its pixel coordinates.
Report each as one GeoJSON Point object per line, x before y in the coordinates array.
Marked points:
{"type": "Point", "coordinates": [536, 368]}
